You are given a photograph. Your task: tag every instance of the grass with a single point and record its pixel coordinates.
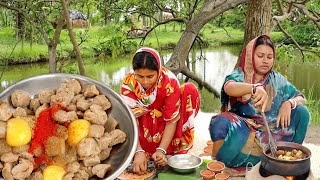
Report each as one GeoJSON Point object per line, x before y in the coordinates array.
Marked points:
{"type": "Point", "coordinates": [164, 37]}
{"type": "Point", "coordinates": [313, 104]}
{"type": "Point", "coordinates": [209, 103]}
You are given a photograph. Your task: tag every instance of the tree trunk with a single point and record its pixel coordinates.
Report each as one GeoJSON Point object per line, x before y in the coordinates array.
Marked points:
{"type": "Point", "coordinates": [19, 26]}
{"type": "Point", "coordinates": [72, 38]}
{"type": "Point", "coordinates": [258, 19]}
{"type": "Point", "coordinates": [106, 17]}
{"type": "Point", "coordinates": [52, 58]}
{"type": "Point", "coordinates": [52, 44]}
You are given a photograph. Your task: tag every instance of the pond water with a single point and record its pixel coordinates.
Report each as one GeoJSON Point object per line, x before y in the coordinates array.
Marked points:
{"type": "Point", "coordinates": [219, 62]}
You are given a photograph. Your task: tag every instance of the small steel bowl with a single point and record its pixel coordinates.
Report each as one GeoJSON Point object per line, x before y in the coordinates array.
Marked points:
{"type": "Point", "coordinates": [184, 163]}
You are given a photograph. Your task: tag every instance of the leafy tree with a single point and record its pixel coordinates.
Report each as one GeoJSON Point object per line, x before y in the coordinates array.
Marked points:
{"type": "Point", "coordinates": [36, 13]}
{"type": "Point", "coordinates": [261, 18]}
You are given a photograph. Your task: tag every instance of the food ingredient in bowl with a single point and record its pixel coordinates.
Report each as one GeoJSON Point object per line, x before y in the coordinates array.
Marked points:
{"type": "Point", "coordinates": [207, 174]}
{"type": "Point", "coordinates": [18, 132]}
{"type": "Point", "coordinates": [216, 166]}
{"type": "Point", "coordinates": [53, 172]}
{"type": "Point", "coordinates": [293, 154]}
{"type": "Point", "coordinates": [44, 128]}
{"type": "Point", "coordinates": [77, 130]}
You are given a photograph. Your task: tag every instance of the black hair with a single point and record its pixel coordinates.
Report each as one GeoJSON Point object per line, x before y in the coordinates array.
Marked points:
{"type": "Point", "coordinates": [144, 60]}
{"type": "Point", "coordinates": [263, 40]}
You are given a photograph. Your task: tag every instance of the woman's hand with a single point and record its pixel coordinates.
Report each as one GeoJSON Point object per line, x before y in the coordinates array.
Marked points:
{"type": "Point", "coordinates": [140, 163]}
{"type": "Point", "coordinates": [260, 98]}
{"type": "Point", "coordinates": [284, 115]}
{"type": "Point", "coordinates": [160, 158]}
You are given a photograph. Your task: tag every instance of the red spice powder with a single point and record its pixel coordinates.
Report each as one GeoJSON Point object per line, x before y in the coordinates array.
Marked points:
{"type": "Point", "coordinates": [45, 127]}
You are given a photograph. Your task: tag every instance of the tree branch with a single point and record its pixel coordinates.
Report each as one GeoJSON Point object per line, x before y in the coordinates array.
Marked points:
{"type": "Point", "coordinates": [280, 7]}
{"type": "Point", "coordinates": [189, 14]}
{"type": "Point", "coordinates": [164, 9]}
{"type": "Point", "coordinates": [297, 2]}
{"type": "Point", "coordinates": [305, 10]}
{"type": "Point", "coordinates": [185, 71]}
{"type": "Point", "coordinates": [295, 42]}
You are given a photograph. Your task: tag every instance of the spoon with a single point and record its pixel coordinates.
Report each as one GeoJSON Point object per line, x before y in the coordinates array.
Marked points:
{"type": "Point", "coordinates": [272, 142]}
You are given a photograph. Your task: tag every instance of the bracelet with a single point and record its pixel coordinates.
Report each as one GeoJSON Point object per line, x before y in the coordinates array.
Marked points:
{"type": "Point", "coordinates": [140, 150]}
{"type": "Point", "coordinates": [254, 87]}
{"type": "Point", "coordinates": [294, 102]}
{"type": "Point", "coordinates": [162, 150]}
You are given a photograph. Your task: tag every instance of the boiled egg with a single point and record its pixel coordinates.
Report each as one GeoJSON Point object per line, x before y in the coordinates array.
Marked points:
{"type": "Point", "coordinates": [77, 130]}
{"type": "Point", "coordinates": [53, 172]}
{"type": "Point", "coordinates": [18, 132]}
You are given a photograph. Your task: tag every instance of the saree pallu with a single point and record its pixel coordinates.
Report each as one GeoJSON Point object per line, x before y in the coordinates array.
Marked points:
{"type": "Point", "coordinates": [151, 127]}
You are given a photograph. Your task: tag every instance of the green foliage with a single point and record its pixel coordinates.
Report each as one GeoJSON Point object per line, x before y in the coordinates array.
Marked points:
{"type": "Point", "coordinates": [286, 53]}
{"type": "Point", "coordinates": [209, 103]}
{"type": "Point", "coordinates": [313, 5]}
{"type": "Point", "coordinates": [70, 69]}
{"type": "Point", "coordinates": [234, 18]}
{"type": "Point", "coordinates": [305, 33]}
{"type": "Point", "coordinates": [116, 44]}
{"type": "Point", "coordinates": [313, 104]}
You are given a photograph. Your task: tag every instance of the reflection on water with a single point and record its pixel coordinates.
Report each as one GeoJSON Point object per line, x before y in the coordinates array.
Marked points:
{"type": "Point", "coordinates": [113, 78]}
{"type": "Point", "coordinates": [218, 63]}
{"type": "Point", "coordinates": [305, 76]}
{"type": "Point", "coordinates": [6, 83]}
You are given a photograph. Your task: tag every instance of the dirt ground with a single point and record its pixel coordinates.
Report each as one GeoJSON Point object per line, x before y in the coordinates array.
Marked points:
{"type": "Point", "coordinates": [313, 135]}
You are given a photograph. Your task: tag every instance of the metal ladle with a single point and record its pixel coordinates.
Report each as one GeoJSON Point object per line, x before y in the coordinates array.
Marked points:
{"type": "Point", "coordinates": [272, 142]}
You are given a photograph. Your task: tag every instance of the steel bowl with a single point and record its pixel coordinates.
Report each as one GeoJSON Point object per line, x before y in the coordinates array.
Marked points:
{"type": "Point", "coordinates": [184, 163]}
{"type": "Point", "coordinates": [286, 167]}
{"type": "Point", "coordinates": [122, 154]}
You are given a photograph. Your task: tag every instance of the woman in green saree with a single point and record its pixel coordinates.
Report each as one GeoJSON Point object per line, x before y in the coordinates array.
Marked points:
{"type": "Point", "coordinates": [238, 132]}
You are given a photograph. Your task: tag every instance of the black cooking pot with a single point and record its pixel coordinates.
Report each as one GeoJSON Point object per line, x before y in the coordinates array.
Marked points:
{"type": "Point", "coordinates": [286, 167]}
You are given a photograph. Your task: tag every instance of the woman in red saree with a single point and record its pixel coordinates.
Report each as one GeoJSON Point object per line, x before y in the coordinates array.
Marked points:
{"type": "Point", "coordinates": [164, 110]}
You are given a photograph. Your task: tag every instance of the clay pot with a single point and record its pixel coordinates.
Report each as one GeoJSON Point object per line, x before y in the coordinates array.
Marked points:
{"type": "Point", "coordinates": [207, 174]}
{"type": "Point", "coordinates": [216, 166]}
{"type": "Point", "coordinates": [286, 167]}
{"type": "Point", "coordinates": [221, 176]}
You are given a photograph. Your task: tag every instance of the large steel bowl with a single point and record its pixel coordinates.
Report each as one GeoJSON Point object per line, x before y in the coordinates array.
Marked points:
{"type": "Point", "coordinates": [121, 155]}
{"type": "Point", "coordinates": [286, 167]}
